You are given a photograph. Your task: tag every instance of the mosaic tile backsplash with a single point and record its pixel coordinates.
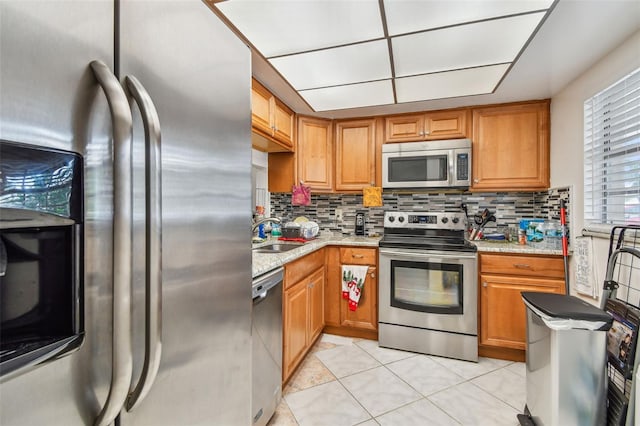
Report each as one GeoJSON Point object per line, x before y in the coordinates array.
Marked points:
{"type": "Point", "coordinates": [509, 207]}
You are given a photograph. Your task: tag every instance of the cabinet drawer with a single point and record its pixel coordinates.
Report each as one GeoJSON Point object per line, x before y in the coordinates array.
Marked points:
{"type": "Point", "coordinates": [531, 266]}
{"type": "Point", "coordinates": [302, 268]}
{"type": "Point", "coordinates": [358, 256]}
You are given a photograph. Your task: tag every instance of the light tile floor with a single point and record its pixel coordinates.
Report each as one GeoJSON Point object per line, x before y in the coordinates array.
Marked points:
{"type": "Point", "coordinates": [346, 381]}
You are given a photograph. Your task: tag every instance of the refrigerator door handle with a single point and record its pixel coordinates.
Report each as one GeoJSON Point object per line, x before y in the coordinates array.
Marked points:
{"type": "Point", "coordinates": [153, 236]}
{"type": "Point", "coordinates": [122, 362]}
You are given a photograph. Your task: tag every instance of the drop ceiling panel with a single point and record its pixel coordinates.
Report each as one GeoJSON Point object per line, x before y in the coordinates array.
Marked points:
{"type": "Point", "coordinates": [472, 81]}
{"type": "Point", "coordinates": [280, 27]}
{"type": "Point", "coordinates": [409, 16]}
{"type": "Point", "coordinates": [350, 96]}
{"type": "Point", "coordinates": [483, 43]}
{"type": "Point", "coordinates": [331, 67]}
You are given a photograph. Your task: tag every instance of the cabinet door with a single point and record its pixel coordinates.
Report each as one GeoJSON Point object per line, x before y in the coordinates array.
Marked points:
{"type": "Point", "coordinates": [283, 123]}
{"type": "Point", "coordinates": [315, 153]}
{"type": "Point", "coordinates": [261, 108]}
{"type": "Point", "coordinates": [502, 311]}
{"type": "Point", "coordinates": [355, 155]}
{"type": "Point", "coordinates": [511, 147]}
{"type": "Point", "coordinates": [295, 326]}
{"type": "Point", "coordinates": [333, 287]}
{"type": "Point", "coordinates": [446, 124]}
{"type": "Point", "coordinates": [316, 305]}
{"type": "Point", "coordinates": [404, 128]}
{"type": "Point", "coordinates": [366, 315]}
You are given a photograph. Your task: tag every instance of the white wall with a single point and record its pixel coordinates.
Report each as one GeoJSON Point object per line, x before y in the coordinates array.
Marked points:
{"type": "Point", "coordinates": [567, 136]}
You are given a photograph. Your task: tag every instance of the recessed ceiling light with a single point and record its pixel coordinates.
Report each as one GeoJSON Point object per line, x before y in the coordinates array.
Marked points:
{"type": "Point", "coordinates": [336, 54]}
{"type": "Point", "coordinates": [482, 43]}
{"type": "Point", "coordinates": [331, 67]}
{"type": "Point", "coordinates": [449, 84]}
{"type": "Point", "coordinates": [281, 27]}
{"type": "Point", "coordinates": [410, 16]}
{"type": "Point", "coordinates": [350, 96]}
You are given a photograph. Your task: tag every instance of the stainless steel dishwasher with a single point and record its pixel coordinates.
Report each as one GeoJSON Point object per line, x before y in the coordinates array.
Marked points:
{"type": "Point", "coordinates": [266, 357]}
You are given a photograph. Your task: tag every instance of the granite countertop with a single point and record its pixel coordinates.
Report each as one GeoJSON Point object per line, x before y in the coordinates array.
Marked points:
{"type": "Point", "coordinates": [265, 262]}
{"type": "Point", "coordinates": [512, 247]}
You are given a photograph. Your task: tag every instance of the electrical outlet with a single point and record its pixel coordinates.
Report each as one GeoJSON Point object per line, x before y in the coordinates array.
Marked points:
{"type": "Point", "coordinates": [338, 213]}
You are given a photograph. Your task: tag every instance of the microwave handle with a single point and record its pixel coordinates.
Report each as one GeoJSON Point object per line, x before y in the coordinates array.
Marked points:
{"type": "Point", "coordinates": [122, 358]}
{"type": "Point", "coordinates": [153, 242]}
{"type": "Point", "coordinates": [452, 167]}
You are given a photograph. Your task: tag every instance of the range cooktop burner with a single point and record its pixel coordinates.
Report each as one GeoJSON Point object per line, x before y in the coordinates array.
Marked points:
{"type": "Point", "coordinates": [426, 231]}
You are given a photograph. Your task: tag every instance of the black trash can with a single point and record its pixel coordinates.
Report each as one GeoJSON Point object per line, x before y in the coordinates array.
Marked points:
{"type": "Point", "coordinates": [566, 360]}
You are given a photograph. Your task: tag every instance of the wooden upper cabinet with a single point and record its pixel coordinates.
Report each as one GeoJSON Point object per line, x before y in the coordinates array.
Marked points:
{"type": "Point", "coordinates": [272, 122]}
{"type": "Point", "coordinates": [283, 122]}
{"type": "Point", "coordinates": [427, 126]}
{"type": "Point", "coordinates": [261, 108]}
{"type": "Point", "coordinates": [355, 157]}
{"type": "Point", "coordinates": [315, 153]}
{"type": "Point", "coordinates": [511, 147]}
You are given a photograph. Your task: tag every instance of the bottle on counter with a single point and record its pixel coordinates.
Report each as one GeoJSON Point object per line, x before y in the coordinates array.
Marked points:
{"type": "Point", "coordinates": [522, 237]}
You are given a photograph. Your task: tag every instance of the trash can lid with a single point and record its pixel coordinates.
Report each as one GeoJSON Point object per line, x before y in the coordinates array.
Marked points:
{"type": "Point", "coordinates": [567, 307]}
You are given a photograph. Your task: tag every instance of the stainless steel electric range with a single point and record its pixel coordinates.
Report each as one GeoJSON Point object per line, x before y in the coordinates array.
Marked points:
{"type": "Point", "coordinates": [428, 296]}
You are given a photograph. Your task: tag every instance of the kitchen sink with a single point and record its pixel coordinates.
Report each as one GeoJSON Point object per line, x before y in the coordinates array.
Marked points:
{"type": "Point", "coordinates": [277, 247]}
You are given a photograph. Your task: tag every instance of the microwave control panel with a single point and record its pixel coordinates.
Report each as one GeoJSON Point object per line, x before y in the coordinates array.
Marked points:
{"type": "Point", "coordinates": [462, 169]}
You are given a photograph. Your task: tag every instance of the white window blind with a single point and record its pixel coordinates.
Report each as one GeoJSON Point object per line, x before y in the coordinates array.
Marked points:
{"type": "Point", "coordinates": [612, 153]}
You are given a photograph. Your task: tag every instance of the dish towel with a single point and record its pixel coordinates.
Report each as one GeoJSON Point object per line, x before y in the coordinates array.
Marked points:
{"type": "Point", "coordinates": [353, 277]}
{"type": "Point", "coordinates": [372, 196]}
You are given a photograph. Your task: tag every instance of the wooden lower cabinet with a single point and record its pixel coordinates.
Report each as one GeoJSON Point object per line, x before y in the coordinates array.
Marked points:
{"type": "Point", "coordinates": [363, 322]}
{"type": "Point", "coordinates": [296, 305]}
{"type": "Point", "coordinates": [502, 312]}
{"type": "Point", "coordinates": [303, 306]}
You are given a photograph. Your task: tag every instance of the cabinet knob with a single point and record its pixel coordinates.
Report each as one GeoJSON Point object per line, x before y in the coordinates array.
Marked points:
{"type": "Point", "coordinates": [311, 285]}
{"type": "Point", "coordinates": [358, 256]}
{"type": "Point", "coordinates": [484, 284]}
{"type": "Point", "coordinates": [476, 180]}
{"type": "Point", "coordinates": [373, 275]}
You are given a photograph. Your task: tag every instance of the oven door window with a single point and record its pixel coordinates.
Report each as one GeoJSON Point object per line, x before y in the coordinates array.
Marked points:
{"type": "Point", "coordinates": [431, 168]}
{"type": "Point", "coordinates": [427, 286]}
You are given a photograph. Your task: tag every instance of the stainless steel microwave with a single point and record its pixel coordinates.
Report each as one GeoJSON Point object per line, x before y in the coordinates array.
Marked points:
{"type": "Point", "coordinates": [434, 164]}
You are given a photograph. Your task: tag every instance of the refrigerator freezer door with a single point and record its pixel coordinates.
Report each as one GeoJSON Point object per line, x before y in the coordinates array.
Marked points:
{"type": "Point", "coordinates": [198, 76]}
{"type": "Point", "coordinates": [51, 98]}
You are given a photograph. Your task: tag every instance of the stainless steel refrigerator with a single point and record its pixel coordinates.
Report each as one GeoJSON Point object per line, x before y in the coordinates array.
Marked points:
{"type": "Point", "coordinates": [191, 319]}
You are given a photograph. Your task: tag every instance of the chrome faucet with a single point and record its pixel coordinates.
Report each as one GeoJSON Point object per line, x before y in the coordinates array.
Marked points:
{"type": "Point", "coordinates": [264, 220]}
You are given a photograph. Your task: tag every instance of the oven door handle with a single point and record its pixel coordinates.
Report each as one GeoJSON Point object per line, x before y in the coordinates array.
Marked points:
{"type": "Point", "coordinates": [425, 254]}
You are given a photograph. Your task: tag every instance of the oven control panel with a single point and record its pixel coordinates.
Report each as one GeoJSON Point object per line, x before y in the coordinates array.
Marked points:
{"type": "Point", "coordinates": [424, 220]}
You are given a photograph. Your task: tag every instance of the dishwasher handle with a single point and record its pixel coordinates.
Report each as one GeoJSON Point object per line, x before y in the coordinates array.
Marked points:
{"type": "Point", "coordinates": [264, 283]}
